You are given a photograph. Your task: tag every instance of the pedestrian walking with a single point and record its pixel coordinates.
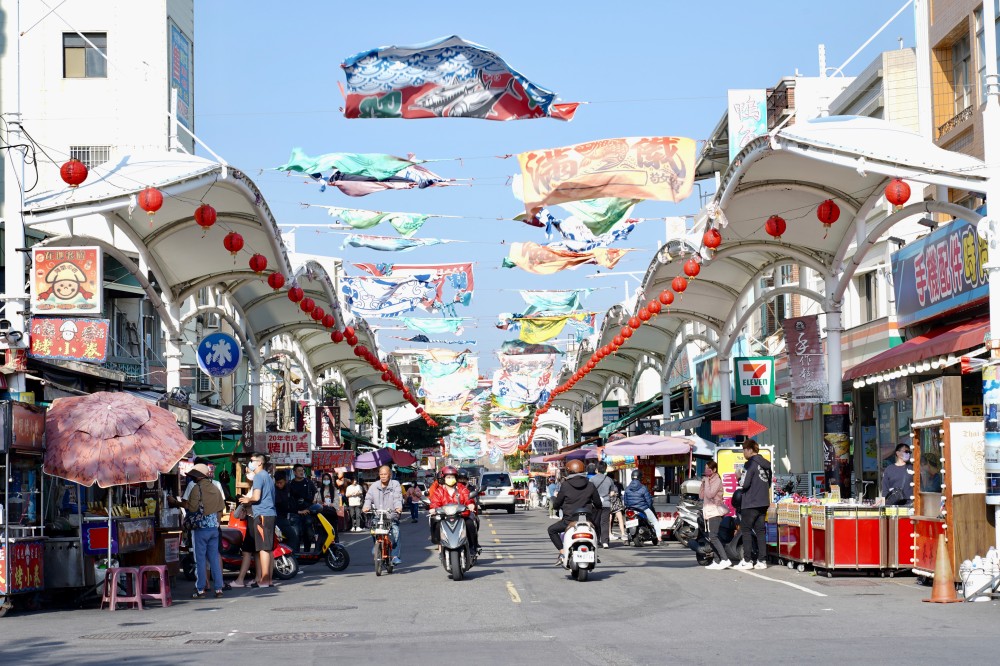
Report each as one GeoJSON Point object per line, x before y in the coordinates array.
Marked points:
{"type": "Point", "coordinates": [617, 513]}
{"type": "Point", "coordinates": [713, 509]}
{"type": "Point", "coordinates": [552, 489]}
{"type": "Point", "coordinates": [604, 484]}
{"type": "Point", "coordinates": [355, 494]}
{"type": "Point", "coordinates": [204, 507]}
{"type": "Point", "coordinates": [756, 487]}
{"type": "Point", "coordinates": [414, 496]}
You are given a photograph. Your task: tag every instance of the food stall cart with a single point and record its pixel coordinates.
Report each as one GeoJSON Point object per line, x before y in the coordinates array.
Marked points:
{"type": "Point", "coordinates": [949, 484]}
{"type": "Point", "coordinates": [794, 523]}
{"type": "Point", "coordinates": [847, 537]}
{"type": "Point", "coordinates": [22, 540]}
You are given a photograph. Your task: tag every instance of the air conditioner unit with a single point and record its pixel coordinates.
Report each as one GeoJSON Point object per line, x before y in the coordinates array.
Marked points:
{"type": "Point", "coordinates": [204, 383]}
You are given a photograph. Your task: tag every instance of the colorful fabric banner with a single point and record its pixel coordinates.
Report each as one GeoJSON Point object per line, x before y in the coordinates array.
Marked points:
{"type": "Point", "coordinates": [406, 224]}
{"type": "Point", "coordinates": [505, 427]}
{"type": "Point", "coordinates": [446, 379]}
{"type": "Point", "coordinates": [541, 260]}
{"type": "Point", "coordinates": [455, 276]}
{"type": "Point", "coordinates": [600, 215]}
{"type": "Point", "coordinates": [576, 237]}
{"type": "Point", "coordinates": [376, 166]}
{"type": "Point", "coordinates": [523, 378]}
{"type": "Point", "coordinates": [541, 328]}
{"type": "Point", "coordinates": [424, 338]}
{"type": "Point", "coordinates": [552, 301]}
{"type": "Point", "coordinates": [445, 78]}
{"type": "Point", "coordinates": [433, 326]}
{"type": "Point", "coordinates": [368, 297]}
{"type": "Point", "coordinates": [659, 167]}
{"type": "Point", "coordinates": [390, 243]}
{"type": "Point", "coordinates": [516, 347]}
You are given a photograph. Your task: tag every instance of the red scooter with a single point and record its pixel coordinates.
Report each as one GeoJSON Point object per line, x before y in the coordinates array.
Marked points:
{"type": "Point", "coordinates": [285, 564]}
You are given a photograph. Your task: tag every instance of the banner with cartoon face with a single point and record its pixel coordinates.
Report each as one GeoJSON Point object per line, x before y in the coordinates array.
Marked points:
{"type": "Point", "coordinates": [67, 280]}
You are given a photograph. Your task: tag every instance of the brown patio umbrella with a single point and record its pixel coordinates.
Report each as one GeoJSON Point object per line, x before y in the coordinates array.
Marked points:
{"type": "Point", "coordinates": [111, 439]}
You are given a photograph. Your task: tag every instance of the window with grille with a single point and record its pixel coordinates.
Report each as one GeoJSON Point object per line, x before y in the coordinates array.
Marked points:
{"type": "Point", "coordinates": [91, 156]}
{"type": "Point", "coordinates": [81, 60]}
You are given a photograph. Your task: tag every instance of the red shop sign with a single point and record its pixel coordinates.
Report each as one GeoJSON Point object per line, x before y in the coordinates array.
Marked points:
{"type": "Point", "coordinates": [27, 426]}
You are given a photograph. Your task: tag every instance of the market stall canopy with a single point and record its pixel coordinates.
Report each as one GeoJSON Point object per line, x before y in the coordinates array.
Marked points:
{"type": "Point", "coordinates": [184, 258]}
{"type": "Point", "coordinates": [588, 453]}
{"type": "Point", "coordinates": [844, 158]}
{"type": "Point", "coordinates": [649, 445]}
{"type": "Point", "coordinates": [384, 456]}
{"type": "Point", "coordinates": [111, 439]}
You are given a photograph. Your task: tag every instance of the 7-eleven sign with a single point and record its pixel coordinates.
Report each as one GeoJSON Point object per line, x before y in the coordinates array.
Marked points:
{"type": "Point", "coordinates": [754, 380]}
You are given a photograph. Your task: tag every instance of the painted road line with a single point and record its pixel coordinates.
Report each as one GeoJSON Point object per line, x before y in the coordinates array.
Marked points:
{"type": "Point", "coordinates": [783, 582]}
{"type": "Point", "coordinates": [493, 532]}
{"type": "Point", "coordinates": [514, 596]}
{"type": "Point", "coordinates": [496, 540]}
{"type": "Point", "coordinates": [499, 556]}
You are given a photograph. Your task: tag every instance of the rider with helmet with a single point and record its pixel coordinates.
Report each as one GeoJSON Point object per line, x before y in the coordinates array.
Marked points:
{"type": "Point", "coordinates": [448, 491]}
{"type": "Point", "coordinates": [637, 497]}
{"type": "Point", "coordinates": [576, 492]}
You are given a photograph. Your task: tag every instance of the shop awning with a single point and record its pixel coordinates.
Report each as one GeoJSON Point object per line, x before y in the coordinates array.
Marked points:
{"type": "Point", "coordinates": [938, 342]}
{"type": "Point", "coordinates": [216, 420]}
{"type": "Point", "coordinates": [649, 445]}
{"type": "Point", "coordinates": [642, 409]}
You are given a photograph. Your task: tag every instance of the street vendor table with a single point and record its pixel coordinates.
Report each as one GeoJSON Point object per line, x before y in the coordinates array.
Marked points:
{"type": "Point", "coordinates": [847, 538]}
{"type": "Point", "coordinates": [794, 531]}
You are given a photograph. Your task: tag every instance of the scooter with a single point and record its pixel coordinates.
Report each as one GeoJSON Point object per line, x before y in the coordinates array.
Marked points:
{"type": "Point", "coordinates": [453, 540]}
{"type": "Point", "coordinates": [332, 553]}
{"type": "Point", "coordinates": [285, 564]}
{"type": "Point", "coordinates": [638, 530]}
{"type": "Point", "coordinates": [729, 534]}
{"type": "Point", "coordinates": [688, 512]}
{"type": "Point", "coordinates": [580, 547]}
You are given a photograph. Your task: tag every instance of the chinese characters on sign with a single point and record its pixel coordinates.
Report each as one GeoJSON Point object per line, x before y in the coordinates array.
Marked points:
{"type": "Point", "coordinates": [747, 118]}
{"type": "Point", "coordinates": [331, 460]}
{"type": "Point", "coordinates": [731, 463]}
{"type": "Point", "coordinates": [219, 355]}
{"type": "Point", "coordinates": [67, 279]}
{"type": "Point", "coordinates": [23, 564]}
{"type": "Point", "coordinates": [180, 74]}
{"type": "Point", "coordinates": [289, 448]}
{"type": "Point", "coordinates": [328, 427]}
{"type": "Point", "coordinates": [70, 339]}
{"type": "Point", "coordinates": [806, 363]}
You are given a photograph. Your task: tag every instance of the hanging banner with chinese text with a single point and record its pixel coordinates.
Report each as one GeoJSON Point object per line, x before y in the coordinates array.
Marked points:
{"type": "Point", "coordinates": [660, 167]}
{"type": "Point", "coordinates": [747, 118]}
{"type": "Point", "coordinates": [70, 339]}
{"type": "Point", "coordinates": [67, 280]}
{"type": "Point", "coordinates": [447, 78]}
{"type": "Point", "coordinates": [806, 361]}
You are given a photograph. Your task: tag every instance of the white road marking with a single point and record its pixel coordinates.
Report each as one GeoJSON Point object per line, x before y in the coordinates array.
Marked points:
{"type": "Point", "coordinates": [783, 582]}
{"type": "Point", "coordinates": [514, 596]}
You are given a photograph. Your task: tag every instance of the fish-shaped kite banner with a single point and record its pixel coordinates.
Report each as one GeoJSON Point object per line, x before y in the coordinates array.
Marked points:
{"type": "Point", "coordinates": [406, 224]}
{"type": "Point", "coordinates": [445, 78]}
{"type": "Point", "coordinates": [390, 243]}
{"type": "Point", "coordinates": [456, 276]}
{"type": "Point", "coordinates": [650, 167]}
{"type": "Point", "coordinates": [431, 326]}
{"type": "Point", "coordinates": [369, 297]}
{"type": "Point", "coordinates": [360, 174]}
{"type": "Point", "coordinates": [542, 260]}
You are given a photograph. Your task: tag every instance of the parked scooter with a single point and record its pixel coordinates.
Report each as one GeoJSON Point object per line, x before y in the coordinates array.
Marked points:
{"type": "Point", "coordinates": [580, 547]}
{"type": "Point", "coordinates": [332, 553]}
{"type": "Point", "coordinates": [453, 540]}
{"type": "Point", "coordinates": [285, 564]}
{"type": "Point", "coordinates": [688, 511]}
{"type": "Point", "coordinates": [729, 534]}
{"type": "Point", "coordinates": [638, 529]}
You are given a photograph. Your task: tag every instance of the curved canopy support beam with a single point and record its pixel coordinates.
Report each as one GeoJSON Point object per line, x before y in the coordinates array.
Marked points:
{"type": "Point", "coordinates": [733, 327]}
{"type": "Point", "coordinates": [762, 186]}
{"type": "Point", "coordinates": [248, 340]}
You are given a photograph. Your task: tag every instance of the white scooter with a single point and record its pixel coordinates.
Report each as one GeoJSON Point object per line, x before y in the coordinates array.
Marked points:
{"type": "Point", "coordinates": [580, 547]}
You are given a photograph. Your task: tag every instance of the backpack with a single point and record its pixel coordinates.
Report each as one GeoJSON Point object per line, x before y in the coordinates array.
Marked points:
{"type": "Point", "coordinates": [211, 497]}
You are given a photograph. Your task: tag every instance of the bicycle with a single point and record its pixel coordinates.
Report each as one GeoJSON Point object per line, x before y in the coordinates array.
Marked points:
{"type": "Point", "coordinates": [380, 527]}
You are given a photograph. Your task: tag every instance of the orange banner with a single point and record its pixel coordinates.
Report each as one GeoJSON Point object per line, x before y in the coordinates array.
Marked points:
{"type": "Point", "coordinates": [542, 260]}
{"type": "Point", "coordinates": [650, 167]}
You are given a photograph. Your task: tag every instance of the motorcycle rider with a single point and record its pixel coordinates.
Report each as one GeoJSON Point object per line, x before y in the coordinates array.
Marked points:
{"type": "Point", "coordinates": [637, 496]}
{"type": "Point", "coordinates": [386, 495]}
{"type": "Point", "coordinates": [575, 493]}
{"type": "Point", "coordinates": [449, 491]}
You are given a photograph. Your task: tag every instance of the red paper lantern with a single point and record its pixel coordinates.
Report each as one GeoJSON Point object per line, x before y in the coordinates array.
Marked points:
{"type": "Point", "coordinates": [258, 263]}
{"type": "Point", "coordinates": [318, 313]}
{"type": "Point", "coordinates": [627, 332]}
{"type": "Point", "coordinates": [619, 340]}
{"type": "Point", "coordinates": [385, 376]}
{"type": "Point", "coordinates": [600, 353]}
{"type": "Point", "coordinates": [349, 332]}
{"type": "Point", "coordinates": [679, 284]}
{"type": "Point", "coordinates": [644, 314]}
{"type": "Point", "coordinates": [353, 340]}
{"type": "Point", "coordinates": [654, 307]}
{"type": "Point", "coordinates": [692, 268]}
{"type": "Point", "coordinates": [828, 212]}
{"type": "Point", "coordinates": [634, 322]}
{"type": "Point", "coordinates": [360, 350]}
{"type": "Point", "coordinates": [712, 239]}
{"type": "Point", "coordinates": [666, 297]}
{"type": "Point", "coordinates": [150, 200]}
{"type": "Point", "coordinates": [73, 172]}
{"type": "Point", "coordinates": [897, 192]}
{"type": "Point", "coordinates": [775, 226]}
{"type": "Point", "coordinates": [296, 294]}
{"type": "Point", "coordinates": [205, 216]}
{"type": "Point", "coordinates": [337, 337]}
{"type": "Point", "coordinates": [307, 305]}
{"type": "Point", "coordinates": [276, 281]}
{"type": "Point", "coordinates": [328, 321]}
{"type": "Point", "coordinates": [233, 242]}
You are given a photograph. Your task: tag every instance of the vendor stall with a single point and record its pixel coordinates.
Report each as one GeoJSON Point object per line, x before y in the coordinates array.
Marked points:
{"type": "Point", "coordinates": [949, 484]}
{"type": "Point", "coordinates": [22, 540]}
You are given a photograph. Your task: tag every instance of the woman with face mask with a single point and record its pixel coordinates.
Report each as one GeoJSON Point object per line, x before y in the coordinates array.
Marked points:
{"type": "Point", "coordinates": [328, 499]}
{"type": "Point", "coordinates": [897, 479]}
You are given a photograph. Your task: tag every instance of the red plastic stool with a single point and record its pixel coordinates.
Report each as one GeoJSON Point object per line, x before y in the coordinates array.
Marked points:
{"type": "Point", "coordinates": [133, 592]}
{"type": "Point", "coordinates": [159, 571]}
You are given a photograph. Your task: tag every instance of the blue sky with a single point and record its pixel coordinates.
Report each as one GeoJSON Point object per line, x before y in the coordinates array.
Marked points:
{"type": "Point", "coordinates": [266, 81]}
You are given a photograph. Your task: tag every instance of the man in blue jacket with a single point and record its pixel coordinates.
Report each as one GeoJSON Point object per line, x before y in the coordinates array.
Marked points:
{"type": "Point", "coordinates": [637, 496]}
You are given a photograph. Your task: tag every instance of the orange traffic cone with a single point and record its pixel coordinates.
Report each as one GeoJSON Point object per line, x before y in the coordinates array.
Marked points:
{"type": "Point", "coordinates": [943, 591]}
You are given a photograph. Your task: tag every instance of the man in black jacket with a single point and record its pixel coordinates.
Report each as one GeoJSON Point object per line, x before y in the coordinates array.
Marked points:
{"type": "Point", "coordinates": [576, 492]}
{"type": "Point", "coordinates": [756, 487]}
{"type": "Point", "coordinates": [301, 493]}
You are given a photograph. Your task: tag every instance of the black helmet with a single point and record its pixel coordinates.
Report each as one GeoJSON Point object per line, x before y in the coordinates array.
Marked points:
{"type": "Point", "coordinates": [737, 499]}
{"type": "Point", "coordinates": [636, 475]}
{"type": "Point", "coordinates": [462, 475]}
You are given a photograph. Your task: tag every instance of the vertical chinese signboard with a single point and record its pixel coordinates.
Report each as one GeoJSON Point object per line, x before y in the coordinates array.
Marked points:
{"type": "Point", "coordinates": [328, 427]}
{"type": "Point", "coordinates": [67, 280]}
{"type": "Point", "coordinates": [21, 566]}
{"type": "Point", "coordinates": [180, 74]}
{"type": "Point", "coordinates": [806, 363]}
{"type": "Point", "coordinates": [747, 118]}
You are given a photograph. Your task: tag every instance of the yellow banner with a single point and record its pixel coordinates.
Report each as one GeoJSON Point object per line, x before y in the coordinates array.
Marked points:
{"type": "Point", "coordinates": [649, 167]}
{"type": "Point", "coordinates": [540, 329]}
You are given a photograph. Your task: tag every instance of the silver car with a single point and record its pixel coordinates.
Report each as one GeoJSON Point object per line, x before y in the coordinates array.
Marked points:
{"type": "Point", "coordinates": [496, 491]}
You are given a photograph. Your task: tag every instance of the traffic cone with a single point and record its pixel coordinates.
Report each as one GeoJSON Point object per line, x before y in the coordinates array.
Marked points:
{"type": "Point", "coordinates": [943, 591]}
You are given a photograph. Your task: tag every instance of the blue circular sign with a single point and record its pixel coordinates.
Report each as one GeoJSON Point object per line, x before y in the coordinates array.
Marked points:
{"type": "Point", "coordinates": [219, 355]}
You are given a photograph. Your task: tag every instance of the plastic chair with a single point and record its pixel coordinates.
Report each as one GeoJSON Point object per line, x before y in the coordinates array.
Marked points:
{"type": "Point", "coordinates": [159, 571]}
{"type": "Point", "coordinates": [133, 591]}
